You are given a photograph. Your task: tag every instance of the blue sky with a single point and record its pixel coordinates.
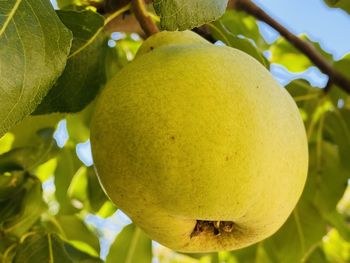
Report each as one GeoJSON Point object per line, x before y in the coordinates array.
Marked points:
{"type": "Point", "coordinates": [330, 27]}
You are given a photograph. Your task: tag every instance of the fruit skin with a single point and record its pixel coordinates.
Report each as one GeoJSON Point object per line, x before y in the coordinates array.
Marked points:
{"type": "Point", "coordinates": [192, 132]}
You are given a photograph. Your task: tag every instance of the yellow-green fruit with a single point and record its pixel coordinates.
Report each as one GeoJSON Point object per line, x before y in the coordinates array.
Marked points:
{"type": "Point", "coordinates": [199, 145]}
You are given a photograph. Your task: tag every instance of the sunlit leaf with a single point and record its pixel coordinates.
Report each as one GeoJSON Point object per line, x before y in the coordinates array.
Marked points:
{"type": "Point", "coordinates": [6, 142]}
{"type": "Point", "coordinates": [336, 248]}
{"type": "Point", "coordinates": [284, 53]}
{"type": "Point", "coordinates": [28, 157]}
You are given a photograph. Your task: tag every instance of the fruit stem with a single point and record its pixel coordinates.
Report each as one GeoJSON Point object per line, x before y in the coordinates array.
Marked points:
{"type": "Point", "coordinates": [144, 19]}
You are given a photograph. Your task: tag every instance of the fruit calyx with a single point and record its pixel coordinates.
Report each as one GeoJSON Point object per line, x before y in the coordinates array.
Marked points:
{"type": "Point", "coordinates": [215, 228]}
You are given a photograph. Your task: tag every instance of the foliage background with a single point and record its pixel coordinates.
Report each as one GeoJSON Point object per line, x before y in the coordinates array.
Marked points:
{"type": "Point", "coordinates": [52, 208]}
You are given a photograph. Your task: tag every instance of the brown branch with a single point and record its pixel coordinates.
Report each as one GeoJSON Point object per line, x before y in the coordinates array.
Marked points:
{"type": "Point", "coordinates": [307, 48]}
{"type": "Point", "coordinates": [146, 22]}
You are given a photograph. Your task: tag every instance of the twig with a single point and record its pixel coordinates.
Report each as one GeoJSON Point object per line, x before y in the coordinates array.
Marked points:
{"type": "Point", "coordinates": [146, 22]}
{"type": "Point", "coordinates": [308, 49]}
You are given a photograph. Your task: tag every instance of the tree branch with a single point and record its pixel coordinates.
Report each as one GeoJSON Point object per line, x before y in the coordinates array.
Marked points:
{"type": "Point", "coordinates": [146, 22]}
{"type": "Point", "coordinates": [308, 49]}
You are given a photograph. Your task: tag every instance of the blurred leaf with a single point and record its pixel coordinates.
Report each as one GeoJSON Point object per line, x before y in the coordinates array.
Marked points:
{"type": "Point", "coordinates": [45, 170]}
{"type": "Point", "coordinates": [30, 60]}
{"type": "Point", "coordinates": [343, 65]}
{"type": "Point", "coordinates": [11, 184]}
{"type": "Point", "coordinates": [106, 210]}
{"type": "Point", "coordinates": [11, 207]}
{"type": "Point", "coordinates": [67, 165]}
{"type": "Point", "coordinates": [336, 248]}
{"type": "Point", "coordinates": [220, 32]}
{"type": "Point", "coordinates": [84, 73]}
{"type": "Point", "coordinates": [316, 256]}
{"type": "Point", "coordinates": [64, 4]}
{"type": "Point", "coordinates": [42, 248]}
{"type": "Point", "coordinates": [78, 124]}
{"type": "Point", "coordinates": [343, 4]}
{"type": "Point", "coordinates": [120, 55]}
{"type": "Point", "coordinates": [74, 229]}
{"type": "Point", "coordinates": [32, 206]}
{"type": "Point", "coordinates": [79, 256]}
{"type": "Point", "coordinates": [284, 53]}
{"type": "Point", "coordinates": [28, 157]}
{"type": "Point", "coordinates": [27, 132]}
{"type": "Point", "coordinates": [292, 242]}
{"type": "Point", "coordinates": [182, 14]}
{"type": "Point", "coordinates": [131, 245]}
{"type": "Point", "coordinates": [310, 101]}
{"type": "Point", "coordinates": [85, 188]}
{"type": "Point", "coordinates": [6, 142]}
{"type": "Point", "coordinates": [337, 128]}
{"type": "Point", "coordinates": [315, 211]}
{"type": "Point", "coordinates": [97, 197]}
{"type": "Point", "coordinates": [78, 187]}
{"type": "Point", "coordinates": [251, 254]}
{"type": "Point", "coordinates": [243, 25]}
{"type": "Point", "coordinates": [33, 143]}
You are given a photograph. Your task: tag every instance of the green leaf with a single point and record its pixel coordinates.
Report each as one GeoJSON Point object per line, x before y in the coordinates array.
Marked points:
{"type": "Point", "coordinates": [28, 131]}
{"type": "Point", "coordinates": [131, 245]}
{"type": "Point", "coordinates": [183, 14]}
{"type": "Point", "coordinates": [293, 241]}
{"type": "Point", "coordinates": [32, 143]}
{"type": "Point", "coordinates": [28, 157]}
{"type": "Point", "coordinates": [284, 53]}
{"type": "Point", "coordinates": [84, 73]}
{"type": "Point", "coordinates": [78, 187]}
{"type": "Point", "coordinates": [42, 248]}
{"type": "Point", "coordinates": [316, 256]}
{"type": "Point", "coordinates": [343, 4]}
{"type": "Point", "coordinates": [11, 207]}
{"type": "Point", "coordinates": [70, 4]}
{"type": "Point", "coordinates": [220, 32]}
{"type": "Point", "coordinates": [120, 55]}
{"type": "Point", "coordinates": [97, 197]}
{"type": "Point", "coordinates": [67, 165]}
{"type": "Point", "coordinates": [78, 124]}
{"type": "Point", "coordinates": [11, 184]}
{"type": "Point", "coordinates": [79, 256]}
{"type": "Point", "coordinates": [32, 206]}
{"type": "Point", "coordinates": [336, 248]}
{"type": "Point", "coordinates": [241, 24]}
{"type": "Point", "coordinates": [6, 142]}
{"type": "Point", "coordinates": [106, 210]}
{"type": "Point", "coordinates": [74, 229]}
{"type": "Point", "coordinates": [343, 65]}
{"type": "Point", "coordinates": [34, 49]}
{"type": "Point", "coordinates": [299, 236]}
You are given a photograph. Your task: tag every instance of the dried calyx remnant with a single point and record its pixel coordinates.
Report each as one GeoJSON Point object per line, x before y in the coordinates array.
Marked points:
{"type": "Point", "coordinates": [214, 227]}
